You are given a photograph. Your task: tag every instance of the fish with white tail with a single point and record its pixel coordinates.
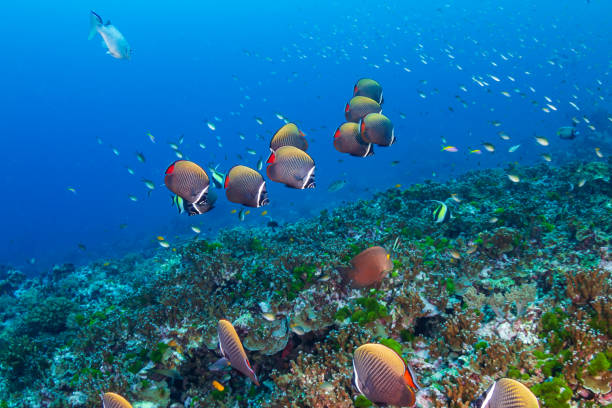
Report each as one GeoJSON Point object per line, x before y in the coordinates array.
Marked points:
{"type": "Point", "coordinates": [114, 41]}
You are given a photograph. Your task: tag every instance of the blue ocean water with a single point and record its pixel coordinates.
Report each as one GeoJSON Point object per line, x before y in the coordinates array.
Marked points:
{"type": "Point", "coordinates": [229, 63]}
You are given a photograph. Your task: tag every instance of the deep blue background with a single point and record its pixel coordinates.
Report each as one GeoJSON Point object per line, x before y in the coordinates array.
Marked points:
{"type": "Point", "coordinates": [240, 60]}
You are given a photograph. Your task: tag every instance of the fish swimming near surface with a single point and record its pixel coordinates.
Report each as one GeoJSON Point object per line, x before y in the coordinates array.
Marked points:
{"type": "Point", "coordinates": [288, 135]}
{"type": "Point", "coordinates": [369, 267]}
{"type": "Point", "coordinates": [246, 186]}
{"type": "Point", "coordinates": [370, 89]}
{"type": "Point", "coordinates": [376, 128]}
{"type": "Point", "coordinates": [347, 140]}
{"type": "Point", "coordinates": [115, 42]}
{"type": "Point", "coordinates": [190, 182]}
{"type": "Point", "coordinates": [292, 167]}
{"type": "Point", "coordinates": [112, 400]}
{"type": "Point", "coordinates": [232, 351]}
{"type": "Point", "coordinates": [358, 107]}
{"type": "Point", "coordinates": [441, 213]}
{"type": "Point", "coordinates": [506, 393]}
{"type": "Point", "coordinates": [567, 132]}
{"type": "Point", "coordinates": [383, 377]}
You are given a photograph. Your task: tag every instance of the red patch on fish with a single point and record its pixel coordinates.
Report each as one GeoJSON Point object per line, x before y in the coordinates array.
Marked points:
{"type": "Point", "coordinates": [337, 134]}
{"type": "Point", "coordinates": [226, 181]}
{"type": "Point", "coordinates": [409, 380]}
{"type": "Point", "coordinates": [355, 89]}
{"type": "Point", "coordinates": [170, 169]}
{"type": "Point", "coordinates": [361, 127]}
{"type": "Point", "coordinates": [346, 108]}
{"type": "Point", "coordinates": [271, 158]}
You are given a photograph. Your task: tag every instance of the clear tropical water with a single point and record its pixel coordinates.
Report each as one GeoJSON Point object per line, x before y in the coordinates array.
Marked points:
{"type": "Point", "coordinates": [229, 63]}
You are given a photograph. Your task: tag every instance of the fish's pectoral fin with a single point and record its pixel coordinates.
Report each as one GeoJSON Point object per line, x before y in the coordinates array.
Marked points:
{"type": "Point", "coordinates": [219, 364]}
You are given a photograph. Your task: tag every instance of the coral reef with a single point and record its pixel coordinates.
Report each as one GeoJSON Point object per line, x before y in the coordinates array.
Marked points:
{"type": "Point", "coordinates": [517, 284]}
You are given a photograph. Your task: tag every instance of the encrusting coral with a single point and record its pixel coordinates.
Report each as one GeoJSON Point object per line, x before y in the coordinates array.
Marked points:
{"type": "Point", "coordinates": [513, 285]}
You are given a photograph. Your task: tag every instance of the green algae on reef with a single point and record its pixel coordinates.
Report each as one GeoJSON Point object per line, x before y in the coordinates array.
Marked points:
{"type": "Point", "coordinates": [468, 302]}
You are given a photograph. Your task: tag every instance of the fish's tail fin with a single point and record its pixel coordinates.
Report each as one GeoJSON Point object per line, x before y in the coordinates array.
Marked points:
{"type": "Point", "coordinates": [95, 21]}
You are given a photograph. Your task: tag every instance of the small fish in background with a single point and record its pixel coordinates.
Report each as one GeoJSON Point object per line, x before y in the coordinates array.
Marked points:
{"type": "Point", "coordinates": [189, 181]}
{"type": "Point", "coordinates": [116, 43]}
{"type": "Point", "coordinates": [151, 137]}
{"type": "Point", "coordinates": [251, 151]}
{"type": "Point", "coordinates": [567, 132]}
{"type": "Point", "coordinates": [503, 135]}
{"type": "Point", "coordinates": [506, 393]}
{"type": "Point", "coordinates": [259, 121]}
{"type": "Point", "coordinates": [451, 149]}
{"type": "Point", "coordinates": [489, 147]}
{"type": "Point", "coordinates": [382, 376]}
{"type": "Point", "coordinates": [441, 213]}
{"type": "Point", "coordinates": [370, 89]}
{"type": "Point", "coordinates": [133, 197]}
{"type": "Point", "coordinates": [211, 126]}
{"type": "Point", "coordinates": [112, 400]}
{"type": "Point", "coordinates": [141, 157]}
{"type": "Point", "coordinates": [336, 185]}
{"type": "Point", "coordinates": [376, 128]}
{"type": "Point", "coordinates": [292, 167]}
{"type": "Point", "coordinates": [232, 351]}
{"type": "Point", "coordinates": [514, 178]}
{"type": "Point", "coordinates": [288, 135]}
{"type": "Point", "coordinates": [358, 107]}
{"type": "Point", "coordinates": [71, 189]}
{"type": "Point", "coordinates": [217, 177]}
{"type": "Point", "coordinates": [246, 186]}
{"type": "Point", "coordinates": [546, 157]}
{"type": "Point", "coordinates": [218, 386]}
{"type": "Point", "coordinates": [149, 184]}
{"type": "Point", "coordinates": [541, 140]}
{"type": "Point", "coordinates": [241, 215]}
{"type": "Point", "coordinates": [259, 164]}
{"type": "Point", "coordinates": [347, 140]}
{"type": "Point", "coordinates": [514, 148]}
{"type": "Point", "coordinates": [369, 267]}
{"type": "Point", "coordinates": [178, 202]}
{"type": "Point", "coordinates": [599, 153]}
{"type": "Point", "coordinates": [196, 229]}
{"type": "Point", "coordinates": [475, 151]}
{"type": "Point", "coordinates": [82, 246]}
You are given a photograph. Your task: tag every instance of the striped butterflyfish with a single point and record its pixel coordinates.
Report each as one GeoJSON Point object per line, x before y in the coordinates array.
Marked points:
{"type": "Point", "coordinates": [112, 400]}
{"type": "Point", "coordinates": [369, 267]}
{"type": "Point", "coordinates": [346, 140]}
{"type": "Point", "coordinates": [288, 135]}
{"type": "Point", "coordinates": [246, 186]}
{"type": "Point", "coordinates": [383, 377]}
{"type": "Point", "coordinates": [376, 128]}
{"type": "Point", "coordinates": [507, 393]}
{"type": "Point", "coordinates": [441, 213]}
{"type": "Point", "coordinates": [292, 167]}
{"type": "Point", "coordinates": [189, 181]}
{"type": "Point", "coordinates": [232, 351]}
{"type": "Point", "coordinates": [370, 89]}
{"type": "Point", "coordinates": [359, 106]}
